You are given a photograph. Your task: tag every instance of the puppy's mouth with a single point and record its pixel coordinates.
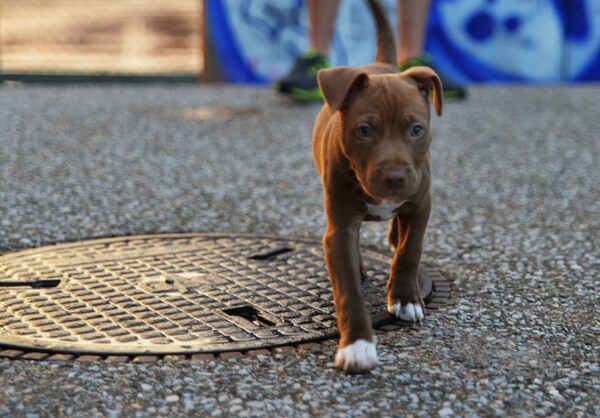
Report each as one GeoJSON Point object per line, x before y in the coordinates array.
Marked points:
{"type": "Point", "coordinates": [389, 193]}
{"type": "Point", "coordinates": [392, 191]}
{"type": "Point", "coordinates": [398, 193]}
{"type": "Point", "coordinates": [395, 195]}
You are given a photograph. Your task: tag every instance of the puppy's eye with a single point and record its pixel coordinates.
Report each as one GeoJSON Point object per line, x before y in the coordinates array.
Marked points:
{"type": "Point", "coordinates": [365, 131]}
{"type": "Point", "coordinates": [417, 130]}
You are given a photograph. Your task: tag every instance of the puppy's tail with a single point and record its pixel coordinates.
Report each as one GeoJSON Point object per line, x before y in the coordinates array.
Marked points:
{"type": "Point", "coordinates": [386, 45]}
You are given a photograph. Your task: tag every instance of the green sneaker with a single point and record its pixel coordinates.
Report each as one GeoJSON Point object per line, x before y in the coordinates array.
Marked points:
{"type": "Point", "coordinates": [301, 82]}
{"type": "Point", "coordinates": [452, 91]}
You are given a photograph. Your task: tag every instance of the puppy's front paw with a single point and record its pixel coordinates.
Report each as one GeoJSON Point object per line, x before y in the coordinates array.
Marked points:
{"type": "Point", "coordinates": [358, 357]}
{"type": "Point", "coordinates": [412, 311]}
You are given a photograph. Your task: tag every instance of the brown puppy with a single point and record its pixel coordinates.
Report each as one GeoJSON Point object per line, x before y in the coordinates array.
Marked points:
{"type": "Point", "coordinates": [371, 147]}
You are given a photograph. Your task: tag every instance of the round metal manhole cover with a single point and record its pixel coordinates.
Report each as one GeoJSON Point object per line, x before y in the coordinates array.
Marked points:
{"type": "Point", "coordinates": [179, 294]}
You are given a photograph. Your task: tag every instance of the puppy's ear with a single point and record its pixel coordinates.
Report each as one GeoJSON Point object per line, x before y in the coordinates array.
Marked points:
{"type": "Point", "coordinates": [339, 83]}
{"type": "Point", "coordinates": [427, 79]}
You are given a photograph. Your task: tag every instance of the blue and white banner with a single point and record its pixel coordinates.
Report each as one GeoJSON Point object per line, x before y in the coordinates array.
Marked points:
{"type": "Point", "coordinates": [541, 41]}
{"type": "Point", "coordinates": [530, 41]}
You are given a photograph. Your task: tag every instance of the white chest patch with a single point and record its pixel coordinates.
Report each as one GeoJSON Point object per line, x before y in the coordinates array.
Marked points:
{"type": "Point", "coordinates": [384, 210]}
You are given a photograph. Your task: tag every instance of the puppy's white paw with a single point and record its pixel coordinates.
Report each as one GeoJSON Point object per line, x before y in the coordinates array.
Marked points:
{"type": "Point", "coordinates": [411, 312]}
{"type": "Point", "coordinates": [358, 357]}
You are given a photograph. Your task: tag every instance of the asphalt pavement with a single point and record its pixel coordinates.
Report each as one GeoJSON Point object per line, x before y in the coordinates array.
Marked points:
{"type": "Point", "coordinates": [515, 226]}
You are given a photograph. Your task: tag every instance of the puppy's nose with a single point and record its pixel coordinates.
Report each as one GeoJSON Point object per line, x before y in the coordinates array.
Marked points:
{"type": "Point", "coordinates": [395, 178]}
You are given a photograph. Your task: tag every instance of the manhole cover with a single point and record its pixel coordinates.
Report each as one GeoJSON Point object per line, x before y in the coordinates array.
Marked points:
{"type": "Point", "coordinates": [178, 294]}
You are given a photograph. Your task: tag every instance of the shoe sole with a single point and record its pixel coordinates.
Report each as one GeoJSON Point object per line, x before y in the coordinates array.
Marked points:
{"type": "Point", "coordinates": [453, 95]}
{"type": "Point", "coordinates": [313, 95]}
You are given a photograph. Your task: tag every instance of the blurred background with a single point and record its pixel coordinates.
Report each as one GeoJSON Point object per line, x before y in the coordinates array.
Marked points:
{"type": "Point", "coordinates": [256, 41]}
{"type": "Point", "coordinates": [47, 39]}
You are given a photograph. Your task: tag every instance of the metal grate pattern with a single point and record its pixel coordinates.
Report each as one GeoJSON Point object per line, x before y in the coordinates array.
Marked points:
{"type": "Point", "coordinates": [174, 294]}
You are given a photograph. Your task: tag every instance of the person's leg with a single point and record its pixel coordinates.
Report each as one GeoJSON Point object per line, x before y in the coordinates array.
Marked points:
{"type": "Point", "coordinates": [412, 19]}
{"type": "Point", "coordinates": [301, 82]}
{"type": "Point", "coordinates": [321, 14]}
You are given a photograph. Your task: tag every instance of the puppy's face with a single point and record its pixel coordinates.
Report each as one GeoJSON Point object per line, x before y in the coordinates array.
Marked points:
{"type": "Point", "coordinates": [385, 124]}
{"type": "Point", "coordinates": [387, 137]}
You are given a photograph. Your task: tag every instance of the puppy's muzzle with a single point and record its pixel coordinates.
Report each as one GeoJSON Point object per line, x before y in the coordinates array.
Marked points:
{"type": "Point", "coordinates": [395, 179]}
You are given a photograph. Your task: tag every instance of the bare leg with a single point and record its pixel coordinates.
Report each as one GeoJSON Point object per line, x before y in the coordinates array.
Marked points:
{"type": "Point", "coordinates": [412, 18]}
{"type": "Point", "coordinates": [322, 15]}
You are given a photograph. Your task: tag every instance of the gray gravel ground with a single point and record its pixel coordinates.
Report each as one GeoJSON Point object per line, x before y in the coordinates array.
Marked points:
{"type": "Point", "coordinates": [516, 225]}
